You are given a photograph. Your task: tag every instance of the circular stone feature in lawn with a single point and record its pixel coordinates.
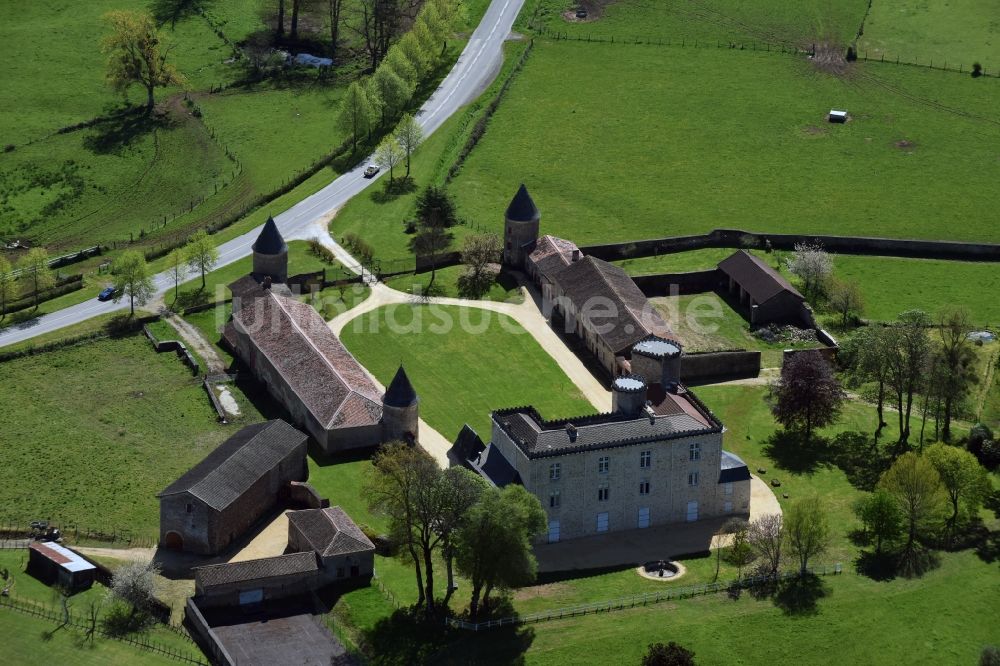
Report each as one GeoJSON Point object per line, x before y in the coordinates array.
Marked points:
{"type": "Point", "coordinates": [661, 570]}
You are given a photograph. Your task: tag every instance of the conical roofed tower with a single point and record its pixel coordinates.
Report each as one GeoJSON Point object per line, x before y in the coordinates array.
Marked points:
{"type": "Point", "coordinates": [400, 409]}
{"type": "Point", "coordinates": [270, 253]}
{"type": "Point", "coordinates": [521, 224]}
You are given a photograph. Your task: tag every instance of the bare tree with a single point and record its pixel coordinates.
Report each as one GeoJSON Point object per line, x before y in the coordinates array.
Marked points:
{"type": "Point", "coordinates": [335, 6]}
{"type": "Point", "coordinates": [766, 536]}
{"type": "Point", "coordinates": [846, 299]}
{"type": "Point", "coordinates": [908, 357]}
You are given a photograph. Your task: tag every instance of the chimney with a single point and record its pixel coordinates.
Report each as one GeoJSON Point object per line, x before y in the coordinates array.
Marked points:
{"type": "Point", "coordinates": [628, 394]}
{"type": "Point", "coordinates": [576, 255]}
{"type": "Point", "coordinates": [571, 431]}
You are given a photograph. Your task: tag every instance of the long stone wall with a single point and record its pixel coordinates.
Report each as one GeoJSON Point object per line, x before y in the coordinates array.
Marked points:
{"type": "Point", "coordinates": [711, 367]}
{"type": "Point", "coordinates": [205, 637]}
{"type": "Point", "coordinates": [736, 238]}
{"type": "Point", "coordinates": [671, 284]}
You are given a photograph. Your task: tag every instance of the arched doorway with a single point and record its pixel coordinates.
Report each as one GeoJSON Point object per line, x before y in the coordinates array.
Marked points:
{"type": "Point", "coordinates": [173, 541]}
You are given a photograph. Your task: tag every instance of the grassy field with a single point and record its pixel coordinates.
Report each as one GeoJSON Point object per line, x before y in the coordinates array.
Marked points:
{"type": "Point", "coordinates": [800, 23]}
{"type": "Point", "coordinates": [446, 284]}
{"type": "Point", "coordinates": [453, 357]}
{"type": "Point", "coordinates": [678, 262]}
{"type": "Point", "coordinates": [117, 423]}
{"type": "Point", "coordinates": [953, 32]}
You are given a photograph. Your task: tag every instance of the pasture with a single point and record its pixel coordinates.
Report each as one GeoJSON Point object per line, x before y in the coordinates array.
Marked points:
{"type": "Point", "coordinates": [92, 432]}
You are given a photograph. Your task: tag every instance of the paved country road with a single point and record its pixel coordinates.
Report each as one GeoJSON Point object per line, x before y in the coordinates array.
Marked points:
{"type": "Point", "coordinates": [473, 71]}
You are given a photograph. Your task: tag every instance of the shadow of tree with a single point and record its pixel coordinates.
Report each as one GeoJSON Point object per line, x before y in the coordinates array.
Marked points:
{"type": "Point", "coordinates": [917, 560]}
{"type": "Point", "coordinates": [172, 11]}
{"type": "Point", "coordinates": [860, 459]}
{"type": "Point", "coordinates": [399, 187]}
{"type": "Point", "coordinates": [790, 452]}
{"type": "Point", "coordinates": [189, 299]}
{"type": "Point", "coordinates": [879, 567]}
{"type": "Point", "coordinates": [988, 549]}
{"type": "Point", "coordinates": [112, 136]}
{"type": "Point", "coordinates": [798, 596]}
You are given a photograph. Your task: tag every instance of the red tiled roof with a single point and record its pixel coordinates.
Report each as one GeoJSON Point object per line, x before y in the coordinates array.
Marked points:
{"type": "Point", "coordinates": [322, 373]}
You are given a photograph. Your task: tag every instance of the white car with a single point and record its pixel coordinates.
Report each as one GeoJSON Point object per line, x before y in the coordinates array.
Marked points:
{"type": "Point", "coordinates": [371, 171]}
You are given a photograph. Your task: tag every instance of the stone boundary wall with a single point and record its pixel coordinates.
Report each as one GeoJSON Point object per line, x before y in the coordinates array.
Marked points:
{"type": "Point", "coordinates": [722, 366]}
{"type": "Point", "coordinates": [205, 637]}
{"type": "Point", "coordinates": [302, 492]}
{"type": "Point", "coordinates": [736, 239]}
{"type": "Point", "coordinates": [175, 346]}
{"type": "Point", "coordinates": [671, 284]}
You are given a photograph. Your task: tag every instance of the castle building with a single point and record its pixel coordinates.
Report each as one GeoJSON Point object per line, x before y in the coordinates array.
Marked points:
{"type": "Point", "coordinates": [520, 227]}
{"type": "Point", "coordinates": [289, 348]}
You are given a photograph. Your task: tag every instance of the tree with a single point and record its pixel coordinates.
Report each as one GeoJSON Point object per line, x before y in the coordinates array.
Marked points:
{"type": "Point", "coordinates": [916, 487]}
{"type": "Point", "coordinates": [410, 46]}
{"type": "Point", "coordinates": [201, 254]}
{"type": "Point", "coordinates": [959, 362]}
{"type": "Point", "coordinates": [807, 394]}
{"type": "Point", "coordinates": [356, 114]}
{"type": "Point", "coordinates": [845, 299]}
{"type": "Point", "coordinates": [177, 267]}
{"type": "Point", "coordinates": [335, 7]}
{"type": "Point", "coordinates": [377, 22]}
{"type": "Point", "coordinates": [35, 270]}
{"type": "Point", "coordinates": [7, 281]}
{"type": "Point", "coordinates": [966, 483]}
{"type": "Point", "coordinates": [388, 155]}
{"type": "Point", "coordinates": [394, 92]}
{"type": "Point", "coordinates": [494, 542]}
{"type": "Point", "coordinates": [979, 434]}
{"type": "Point", "coordinates": [739, 553]}
{"type": "Point", "coordinates": [459, 489]}
{"type": "Point", "coordinates": [132, 278]}
{"type": "Point", "coordinates": [908, 357]}
{"type": "Point", "coordinates": [293, 34]}
{"type": "Point", "coordinates": [397, 61]}
{"type": "Point", "coordinates": [134, 583]}
{"type": "Point", "coordinates": [812, 265]}
{"type": "Point", "coordinates": [990, 656]}
{"type": "Point", "coordinates": [403, 487]}
{"type": "Point", "coordinates": [409, 135]}
{"type": "Point", "coordinates": [806, 530]}
{"type": "Point", "coordinates": [280, 28]}
{"type": "Point", "coordinates": [435, 215]}
{"type": "Point", "coordinates": [869, 353]}
{"type": "Point", "coordinates": [766, 535]}
{"type": "Point", "coordinates": [670, 654]}
{"type": "Point", "coordinates": [480, 253]}
{"type": "Point", "coordinates": [137, 55]}
{"type": "Point", "coordinates": [880, 514]}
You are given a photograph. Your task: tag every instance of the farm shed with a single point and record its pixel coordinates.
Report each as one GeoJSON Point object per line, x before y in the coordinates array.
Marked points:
{"type": "Point", "coordinates": [767, 295]}
{"type": "Point", "coordinates": [55, 565]}
{"type": "Point", "coordinates": [836, 116]}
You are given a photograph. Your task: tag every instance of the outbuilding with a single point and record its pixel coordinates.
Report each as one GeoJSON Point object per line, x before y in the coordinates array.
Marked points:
{"type": "Point", "coordinates": [56, 565]}
{"type": "Point", "coordinates": [837, 116]}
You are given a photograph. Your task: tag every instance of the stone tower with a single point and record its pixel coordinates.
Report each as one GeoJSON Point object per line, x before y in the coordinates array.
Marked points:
{"type": "Point", "coordinates": [520, 227]}
{"type": "Point", "coordinates": [658, 360]}
{"type": "Point", "coordinates": [628, 394]}
{"type": "Point", "coordinates": [400, 410]}
{"type": "Point", "coordinates": [270, 254]}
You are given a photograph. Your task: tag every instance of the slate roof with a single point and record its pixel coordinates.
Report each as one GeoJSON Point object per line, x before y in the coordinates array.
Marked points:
{"type": "Point", "coordinates": [270, 241]}
{"type": "Point", "coordinates": [400, 392]}
{"type": "Point", "coordinates": [673, 416]}
{"type": "Point", "coordinates": [757, 278]}
{"type": "Point", "coordinates": [236, 464]}
{"type": "Point", "coordinates": [591, 278]}
{"type": "Point", "coordinates": [522, 208]}
{"type": "Point", "coordinates": [732, 468]}
{"type": "Point", "coordinates": [320, 371]}
{"type": "Point", "coordinates": [495, 468]}
{"type": "Point", "coordinates": [468, 445]}
{"type": "Point", "coordinates": [551, 255]}
{"type": "Point", "coordinates": [250, 570]}
{"type": "Point", "coordinates": [330, 531]}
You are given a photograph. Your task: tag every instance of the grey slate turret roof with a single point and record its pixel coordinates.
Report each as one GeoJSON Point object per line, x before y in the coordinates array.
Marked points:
{"type": "Point", "coordinates": [236, 464]}
{"type": "Point", "coordinates": [270, 240]}
{"type": "Point", "coordinates": [400, 392]}
{"type": "Point", "coordinates": [522, 208]}
{"type": "Point", "coordinates": [330, 531]}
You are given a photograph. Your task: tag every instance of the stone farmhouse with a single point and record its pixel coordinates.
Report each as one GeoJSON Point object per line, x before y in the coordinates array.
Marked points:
{"type": "Point", "coordinates": [325, 547]}
{"type": "Point", "coordinates": [657, 458]}
{"type": "Point", "coordinates": [289, 348]}
{"type": "Point", "coordinates": [763, 291]}
{"type": "Point", "coordinates": [218, 499]}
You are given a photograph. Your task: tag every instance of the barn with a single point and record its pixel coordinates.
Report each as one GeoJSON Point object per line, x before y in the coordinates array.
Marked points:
{"type": "Point", "coordinates": [765, 295]}
{"type": "Point", "coordinates": [56, 565]}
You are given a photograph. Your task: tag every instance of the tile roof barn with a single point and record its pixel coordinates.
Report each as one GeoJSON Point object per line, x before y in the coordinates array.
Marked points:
{"type": "Point", "coordinates": [762, 289]}
{"type": "Point", "coordinates": [327, 532]}
{"type": "Point", "coordinates": [215, 501]}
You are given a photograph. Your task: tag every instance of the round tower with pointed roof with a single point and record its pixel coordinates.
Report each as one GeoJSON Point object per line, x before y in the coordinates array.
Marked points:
{"type": "Point", "coordinates": [400, 410]}
{"type": "Point", "coordinates": [270, 253]}
{"type": "Point", "coordinates": [521, 226]}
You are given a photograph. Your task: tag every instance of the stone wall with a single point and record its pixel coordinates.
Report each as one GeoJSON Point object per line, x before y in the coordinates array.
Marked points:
{"type": "Point", "coordinates": [736, 239]}
{"type": "Point", "coordinates": [710, 367]}
{"type": "Point", "coordinates": [205, 637]}
{"type": "Point", "coordinates": [673, 284]}
{"type": "Point", "coordinates": [303, 494]}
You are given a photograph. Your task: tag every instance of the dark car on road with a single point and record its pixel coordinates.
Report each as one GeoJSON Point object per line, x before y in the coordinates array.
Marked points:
{"type": "Point", "coordinates": [106, 294]}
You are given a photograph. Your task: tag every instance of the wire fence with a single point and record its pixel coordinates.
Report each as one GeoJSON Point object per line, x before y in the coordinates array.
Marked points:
{"type": "Point", "coordinates": [66, 617]}
{"type": "Point", "coordinates": [637, 600]}
{"type": "Point", "coordinates": [386, 592]}
{"type": "Point", "coordinates": [73, 532]}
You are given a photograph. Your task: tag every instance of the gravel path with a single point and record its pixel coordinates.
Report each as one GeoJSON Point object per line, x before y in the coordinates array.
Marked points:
{"type": "Point", "coordinates": [196, 342]}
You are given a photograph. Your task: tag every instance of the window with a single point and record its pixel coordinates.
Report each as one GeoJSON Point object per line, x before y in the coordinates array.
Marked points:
{"type": "Point", "coordinates": [554, 499]}
{"type": "Point", "coordinates": [602, 522]}
{"type": "Point", "coordinates": [693, 478]}
{"type": "Point", "coordinates": [555, 471]}
{"type": "Point", "coordinates": [602, 492]}
{"type": "Point", "coordinates": [694, 451]}
{"type": "Point", "coordinates": [643, 520]}
{"type": "Point", "coordinates": [645, 459]}
{"type": "Point", "coordinates": [190, 508]}
{"type": "Point", "coordinates": [340, 572]}
{"type": "Point", "coordinates": [728, 488]}
{"type": "Point", "coordinates": [603, 463]}
{"type": "Point", "coordinates": [553, 531]}
{"type": "Point", "coordinates": [644, 487]}
{"type": "Point", "coordinates": [729, 507]}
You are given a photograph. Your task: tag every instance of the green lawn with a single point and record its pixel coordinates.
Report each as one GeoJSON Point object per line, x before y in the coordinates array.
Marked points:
{"type": "Point", "coordinates": [117, 423]}
{"type": "Point", "coordinates": [954, 32]}
{"type": "Point", "coordinates": [677, 262]}
{"type": "Point", "coordinates": [446, 284]}
{"type": "Point", "coordinates": [463, 363]}
{"type": "Point", "coordinates": [673, 156]}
